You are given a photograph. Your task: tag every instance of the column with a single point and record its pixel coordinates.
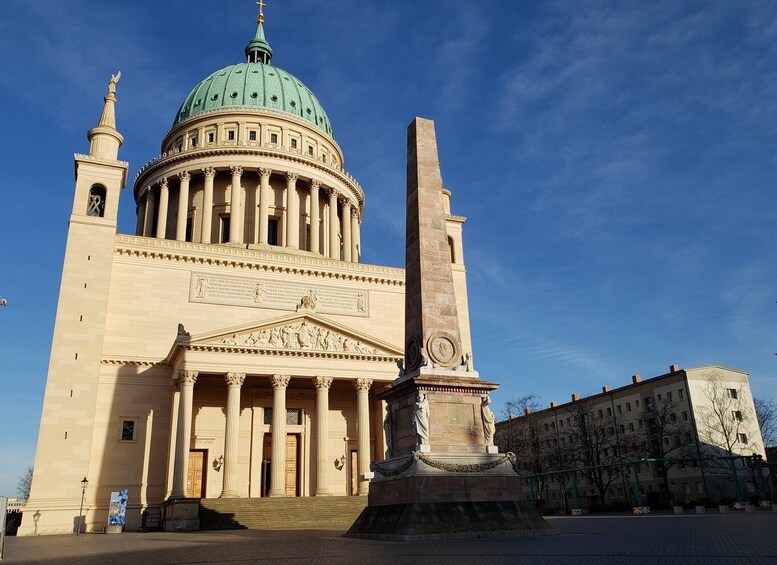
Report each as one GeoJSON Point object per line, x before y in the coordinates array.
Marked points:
{"type": "Point", "coordinates": [322, 385]}
{"type": "Point", "coordinates": [140, 212]}
{"type": "Point", "coordinates": [346, 223]}
{"type": "Point", "coordinates": [314, 216]}
{"type": "Point", "coordinates": [186, 380]}
{"type": "Point", "coordinates": [207, 205]}
{"type": "Point", "coordinates": [232, 433]}
{"type": "Point", "coordinates": [234, 205]}
{"type": "Point", "coordinates": [356, 243]}
{"type": "Point", "coordinates": [278, 461]}
{"type": "Point", "coordinates": [292, 211]}
{"type": "Point", "coordinates": [164, 197]}
{"type": "Point", "coordinates": [264, 203]}
{"type": "Point", "coordinates": [148, 222]}
{"type": "Point", "coordinates": [334, 244]}
{"type": "Point", "coordinates": [183, 206]}
{"type": "Point", "coordinates": [362, 387]}
{"type": "Point", "coordinates": [176, 400]}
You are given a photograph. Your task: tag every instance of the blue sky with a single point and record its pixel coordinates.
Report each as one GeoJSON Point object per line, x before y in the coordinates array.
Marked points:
{"type": "Point", "coordinates": [615, 160]}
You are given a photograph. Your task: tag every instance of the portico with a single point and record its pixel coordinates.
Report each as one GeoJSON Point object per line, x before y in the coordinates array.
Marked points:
{"type": "Point", "coordinates": [247, 429]}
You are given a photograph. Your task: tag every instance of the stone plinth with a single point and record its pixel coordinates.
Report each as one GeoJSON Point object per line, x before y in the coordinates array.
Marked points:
{"type": "Point", "coordinates": [181, 515]}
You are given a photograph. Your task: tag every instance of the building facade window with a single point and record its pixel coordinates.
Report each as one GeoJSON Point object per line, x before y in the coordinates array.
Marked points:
{"type": "Point", "coordinates": [732, 393]}
{"type": "Point", "coordinates": [128, 430]}
{"type": "Point", "coordinates": [273, 138]}
{"type": "Point", "coordinates": [224, 235]}
{"type": "Point", "coordinates": [293, 143]}
{"type": "Point", "coordinates": [251, 136]}
{"type": "Point", "coordinates": [272, 231]}
{"type": "Point", "coordinates": [736, 415]}
{"type": "Point", "coordinates": [742, 438]}
{"type": "Point", "coordinates": [231, 135]}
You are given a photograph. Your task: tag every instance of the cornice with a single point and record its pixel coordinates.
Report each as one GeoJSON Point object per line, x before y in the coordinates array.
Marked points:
{"type": "Point", "coordinates": [253, 259]}
{"type": "Point", "coordinates": [269, 352]}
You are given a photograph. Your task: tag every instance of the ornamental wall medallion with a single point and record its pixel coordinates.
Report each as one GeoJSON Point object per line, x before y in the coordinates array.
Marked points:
{"type": "Point", "coordinates": [262, 293]}
{"type": "Point", "coordinates": [444, 350]}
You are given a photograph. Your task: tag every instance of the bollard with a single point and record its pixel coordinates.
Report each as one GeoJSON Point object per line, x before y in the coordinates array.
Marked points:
{"type": "Point", "coordinates": [701, 510]}
{"type": "Point", "coordinates": [678, 509]}
{"type": "Point", "coordinates": [749, 508]}
{"type": "Point", "coordinates": [724, 509]}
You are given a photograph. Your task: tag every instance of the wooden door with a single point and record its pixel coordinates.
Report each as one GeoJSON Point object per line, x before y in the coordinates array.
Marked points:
{"type": "Point", "coordinates": [354, 473]}
{"type": "Point", "coordinates": [292, 456]}
{"type": "Point", "coordinates": [195, 480]}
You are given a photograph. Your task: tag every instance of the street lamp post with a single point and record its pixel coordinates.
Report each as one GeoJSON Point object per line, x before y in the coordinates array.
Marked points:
{"type": "Point", "coordinates": [84, 484]}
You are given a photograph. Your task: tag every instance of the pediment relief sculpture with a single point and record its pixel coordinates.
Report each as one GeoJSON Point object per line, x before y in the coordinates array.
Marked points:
{"type": "Point", "coordinates": [303, 335]}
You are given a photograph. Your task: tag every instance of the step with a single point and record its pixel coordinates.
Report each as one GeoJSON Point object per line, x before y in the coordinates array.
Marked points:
{"type": "Point", "coordinates": [279, 513]}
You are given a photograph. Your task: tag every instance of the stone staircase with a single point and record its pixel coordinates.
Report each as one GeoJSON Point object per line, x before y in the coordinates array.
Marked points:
{"type": "Point", "coordinates": [279, 513]}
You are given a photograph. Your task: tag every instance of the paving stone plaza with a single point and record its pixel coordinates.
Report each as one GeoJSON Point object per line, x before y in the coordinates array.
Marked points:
{"type": "Point", "coordinates": [655, 539]}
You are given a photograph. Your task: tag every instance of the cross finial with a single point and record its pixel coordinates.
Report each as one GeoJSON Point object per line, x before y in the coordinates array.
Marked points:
{"type": "Point", "coordinates": [260, 17]}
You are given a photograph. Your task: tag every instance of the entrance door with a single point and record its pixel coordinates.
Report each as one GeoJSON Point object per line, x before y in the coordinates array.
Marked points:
{"type": "Point", "coordinates": [292, 464]}
{"type": "Point", "coordinates": [195, 481]}
{"type": "Point", "coordinates": [354, 473]}
{"type": "Point", "coordinates": [292, 456]}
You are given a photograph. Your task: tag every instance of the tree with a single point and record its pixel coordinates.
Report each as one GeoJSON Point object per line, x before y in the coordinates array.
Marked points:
{"type": "Point", "coordinates": [666, 435]}
{"type": "Point", "coordinates": [24, 484]}
{"type": "Point", "coordinates": [766, 414]}
{"type": "Point", "coordinates": [594, 440]}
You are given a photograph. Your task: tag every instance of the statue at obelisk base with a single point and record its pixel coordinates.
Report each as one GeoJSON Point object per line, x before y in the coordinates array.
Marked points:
{"type": "Point", "coordinates": [443, 476]}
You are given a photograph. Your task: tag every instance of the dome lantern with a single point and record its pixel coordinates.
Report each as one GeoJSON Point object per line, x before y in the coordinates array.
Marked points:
{"type": "Point", "coordinates": [258, 50]}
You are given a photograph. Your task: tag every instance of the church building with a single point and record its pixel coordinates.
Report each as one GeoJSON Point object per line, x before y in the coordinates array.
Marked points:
{"type": "Point", "coordinates": [234, 344]}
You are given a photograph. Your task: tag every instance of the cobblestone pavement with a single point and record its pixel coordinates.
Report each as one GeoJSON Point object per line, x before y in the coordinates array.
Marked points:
{"type": "Point", "coordinates": [709, 539]}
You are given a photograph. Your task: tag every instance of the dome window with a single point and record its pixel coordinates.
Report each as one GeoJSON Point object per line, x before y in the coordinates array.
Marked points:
{"type": "Point", "coordinates": [96, 204]}
{"type": "Point", "coordinates": [199, 101]}
{"type": "Point", "coordinates": [286, 79]}
{"type": "Point", "coordinates": [273, 138]}
{"type": "Point", "coordinates": [222, 74]}
{"type": "Point", "coordinates": [271, 74]}
{"type": "Point", "coordinates": [292, 104]}
{"type": "Point", "coordinates": [214, 97]}
{"type": "Point", "coordinates": [251, 135]}
{"type": "Point", "coordinates": [254, 95]}
{"type": "Point", "coordinates": [274, 98]}
{"type": "Point", "coordinates": [308, 111]}
{"type": "Point", "coordinates": [234, 94]}
{"type": "Point", "coordinates": [293, 143]}
{"type": "Point", "coordinates": [238, 72]}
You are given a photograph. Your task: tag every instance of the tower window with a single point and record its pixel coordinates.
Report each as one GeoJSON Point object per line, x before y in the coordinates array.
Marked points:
{"type": "Point", "coordinates": [272, 231]}
{"type": "Point", "coordinates": [251, 136]}
{"type": "Point", "coordinates": [96, 204]}
{"type": "Point", "coordinates": [194, 142]}
{"type": "Point", "coordinates": [211, 137]}
{"type": "Point", "coordinates": [293, 143]}
{"type": "Point", "coordinates": [231, 135]}
{"type": "Point", "coordinates": [310, 150]}
{"type": "Point", "coordinates": [273, 138]}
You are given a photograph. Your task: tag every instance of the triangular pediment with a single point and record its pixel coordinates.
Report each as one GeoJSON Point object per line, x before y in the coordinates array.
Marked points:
{"type": "Point", "coordinates": [299, 332]}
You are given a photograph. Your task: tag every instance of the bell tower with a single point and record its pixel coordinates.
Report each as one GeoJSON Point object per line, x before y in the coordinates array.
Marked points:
{"type": "Point", "coordinates": [68, 419]}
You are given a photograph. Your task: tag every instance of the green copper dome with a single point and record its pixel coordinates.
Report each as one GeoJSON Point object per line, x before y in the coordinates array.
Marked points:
{"type": "Point", "coordinates": [255, 84]}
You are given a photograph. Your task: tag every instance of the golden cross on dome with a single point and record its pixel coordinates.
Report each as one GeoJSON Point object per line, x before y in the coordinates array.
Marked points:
{"type": "Point", "coordinates": [260, 17]}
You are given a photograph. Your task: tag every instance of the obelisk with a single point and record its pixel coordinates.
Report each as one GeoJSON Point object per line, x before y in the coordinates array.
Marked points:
{"type": "Point", "coordinates": [443, 477]}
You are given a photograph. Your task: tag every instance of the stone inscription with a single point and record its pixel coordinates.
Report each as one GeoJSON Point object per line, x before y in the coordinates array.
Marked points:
{"type": "Point", "coordinates": [260, 293]}
{"type": "Point", "coordinates": [460, 415]}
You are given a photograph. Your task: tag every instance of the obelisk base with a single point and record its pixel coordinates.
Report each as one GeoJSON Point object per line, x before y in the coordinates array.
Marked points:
{"type": "Point", "coordinates": [428, 496]}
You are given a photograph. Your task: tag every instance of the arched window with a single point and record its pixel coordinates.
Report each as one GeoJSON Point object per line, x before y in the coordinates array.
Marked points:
{"type": "Point", "coordinates": [96, 204]}
{"type": "Point", "coordinates": [451, 249]}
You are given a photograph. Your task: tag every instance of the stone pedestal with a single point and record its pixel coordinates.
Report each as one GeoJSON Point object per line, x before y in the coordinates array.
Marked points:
{"type": "Point", "coordinates": [181, 515]}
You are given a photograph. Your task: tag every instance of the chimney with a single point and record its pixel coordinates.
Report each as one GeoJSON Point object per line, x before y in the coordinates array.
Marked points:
{"type": "Point", "coordinates": [512, 417]}
{"type": "Point", "coordinates": [575, 397]}
{"type": "Point", "coordinates": [674, 368]}
{"type": "Point", "coordinates": [553, 404]}
{"type": "Point", "coordinates": [527, 411]}
{"type": "Point", "coordinates": [635, 379]}
{"type": "Point", "coordinates": [605, 389]}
